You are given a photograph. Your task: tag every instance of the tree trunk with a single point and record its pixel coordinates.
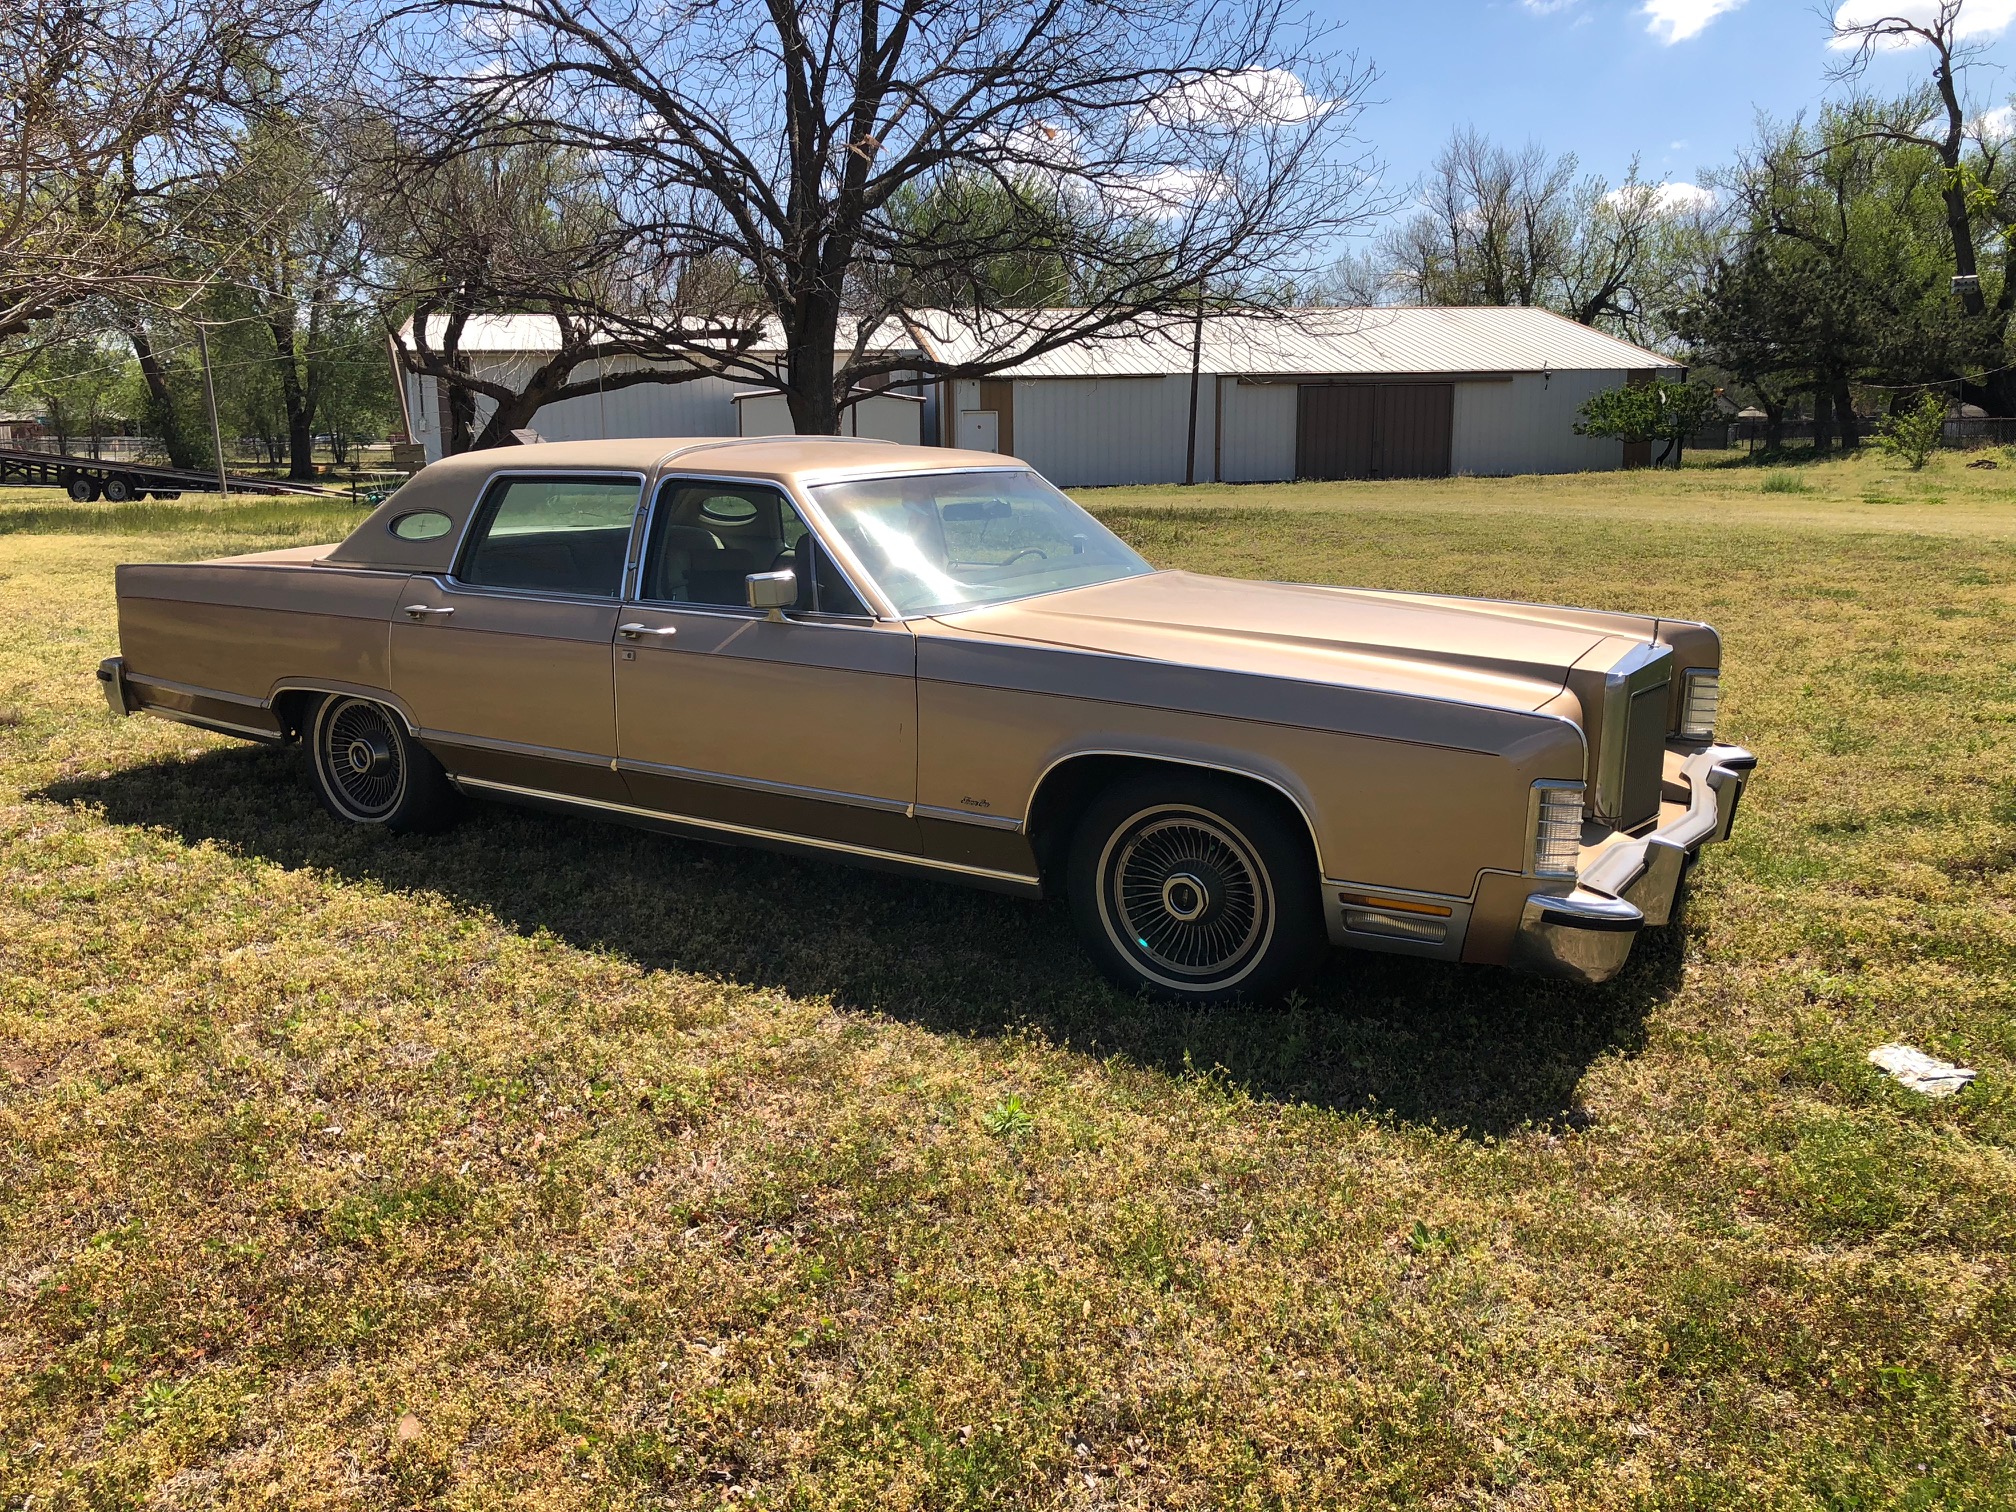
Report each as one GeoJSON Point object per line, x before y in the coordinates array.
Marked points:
{"type": "Point", "coordinates": [509, 415]}
{"type": "Point", "coordinates": [161, 401]}
{"type": "Point", "coordinates": [1823, 424]}
{"type": "Point", "coordinates": [293, 398]}
{"type": "Point", "coordinates": [1844, 417]}
{"type": "Point", "coordinates": [808, 373]}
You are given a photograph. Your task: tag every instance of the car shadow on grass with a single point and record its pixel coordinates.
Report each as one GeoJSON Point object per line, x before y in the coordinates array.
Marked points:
{"type": "Point", "coordinates": [1478, 1049]}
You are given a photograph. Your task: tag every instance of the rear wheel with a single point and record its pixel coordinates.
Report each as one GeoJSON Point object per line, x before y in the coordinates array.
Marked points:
{"type": "Point", "coordinates": [82, 489]}
{"type": "Point", "coordinates": [368, 770]}
{"type": "Point", "coordinates": [117, 490]}
{"type": "Point", "coordinates": [1191, 887]}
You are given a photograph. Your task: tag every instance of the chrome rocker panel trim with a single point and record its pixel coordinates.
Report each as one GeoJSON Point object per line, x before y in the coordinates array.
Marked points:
{"type": "Point", "coordinates": [1586, 935]}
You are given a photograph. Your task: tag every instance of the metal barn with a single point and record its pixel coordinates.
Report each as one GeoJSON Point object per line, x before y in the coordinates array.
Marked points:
{"type": "Point", "coordinates": [1237, 398]}
{"type": "Point", "coordinates": [1379, 393]}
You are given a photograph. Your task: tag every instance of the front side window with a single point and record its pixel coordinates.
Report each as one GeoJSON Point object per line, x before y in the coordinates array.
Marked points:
{"type": "Point", "coordinates": [553, 534]}
{"type": "Point", "coordinates": [939, 542]}
{"type": "Point", "coordinates": [708, 536]}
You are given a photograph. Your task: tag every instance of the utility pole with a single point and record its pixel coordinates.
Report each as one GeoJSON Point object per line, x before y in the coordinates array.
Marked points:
{"type": "Point", "coordinates": [1196, 362]}
{"type": "Point", "coordinates": [210, 398]}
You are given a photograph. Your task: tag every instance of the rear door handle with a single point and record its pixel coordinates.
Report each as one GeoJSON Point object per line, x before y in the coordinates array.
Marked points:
{"type": "Point", "coordinates": [633, 631]}
{"type": "Point", "coordinates": [421, 611]}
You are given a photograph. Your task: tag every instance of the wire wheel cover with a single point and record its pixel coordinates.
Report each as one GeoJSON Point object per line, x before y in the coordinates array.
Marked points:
{"type": "Point", "coordinates": [361, 758]}
{"type": "Point", "coordinates": [1189, 894]}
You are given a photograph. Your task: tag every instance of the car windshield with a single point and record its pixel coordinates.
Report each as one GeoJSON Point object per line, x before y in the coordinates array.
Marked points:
{"type": "Point", "coordinates": [939, 542]}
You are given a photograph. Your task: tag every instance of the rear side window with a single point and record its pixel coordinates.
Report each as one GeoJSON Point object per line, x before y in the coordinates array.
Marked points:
{"type": "Point", "coordinates": [425, 525]}
{"type": "Point", "coordinates": [553, 535]}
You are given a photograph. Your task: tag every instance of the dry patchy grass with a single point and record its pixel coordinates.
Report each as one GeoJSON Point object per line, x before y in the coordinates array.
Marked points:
{"type": "Point", "coordinates": [549, 1162]}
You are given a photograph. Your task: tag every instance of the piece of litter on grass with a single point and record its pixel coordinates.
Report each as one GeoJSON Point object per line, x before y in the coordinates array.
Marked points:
{"type": "Point", "coordinates": [1920, 1072]}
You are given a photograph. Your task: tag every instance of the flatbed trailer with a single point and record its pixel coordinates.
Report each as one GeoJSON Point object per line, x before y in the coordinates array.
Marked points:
{"type": "Point", "coordinates": [88, 478]}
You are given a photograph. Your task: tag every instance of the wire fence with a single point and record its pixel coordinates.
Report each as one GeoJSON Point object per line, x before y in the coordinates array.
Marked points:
{"type": "Point", "coordinates": [1962, 433]}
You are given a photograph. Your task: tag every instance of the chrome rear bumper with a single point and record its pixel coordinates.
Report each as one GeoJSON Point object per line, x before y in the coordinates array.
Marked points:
{"type": "Point", "coordinates": [112, 678]}
{"type": "Point", "coordinates": [1586, 935]}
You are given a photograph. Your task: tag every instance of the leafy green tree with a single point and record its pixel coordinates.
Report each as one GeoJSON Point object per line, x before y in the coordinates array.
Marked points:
{"type": "Point", "coordinates": [77, 381]}
{"type": "Point", "coordinates": [1912, 434]}
{"type": "Point", "coordinates": [1645, 412]}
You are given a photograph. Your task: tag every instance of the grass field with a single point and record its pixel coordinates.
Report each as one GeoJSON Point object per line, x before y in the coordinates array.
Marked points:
{"type": "Point", "coordinates": [551, 1163]}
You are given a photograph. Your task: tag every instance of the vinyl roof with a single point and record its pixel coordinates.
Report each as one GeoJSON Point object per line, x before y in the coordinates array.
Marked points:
{"type": "Point", "coordinates": [1396, 339]}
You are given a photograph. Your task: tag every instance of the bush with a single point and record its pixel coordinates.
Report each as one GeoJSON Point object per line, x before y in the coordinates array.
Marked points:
{"type": "Point", "coordinates": [1779, 480]}
{"type": "Point", "coordinates": [1914, 434]}
{"type": "Point", "coordinates": [1640, 412]}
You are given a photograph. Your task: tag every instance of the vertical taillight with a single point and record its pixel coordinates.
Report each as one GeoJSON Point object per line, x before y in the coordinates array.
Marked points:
{"type": "Point", "coordinates": [1700, 701]}
{"type": "Point", "coordinates": [1557, 828]}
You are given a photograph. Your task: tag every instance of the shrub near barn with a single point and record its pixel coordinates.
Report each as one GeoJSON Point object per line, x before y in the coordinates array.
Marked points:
{"type": "Point", "coordinates": [1644, 412]}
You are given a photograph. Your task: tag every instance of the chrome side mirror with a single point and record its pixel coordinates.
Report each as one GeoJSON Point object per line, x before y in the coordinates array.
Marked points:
{"type": "Point", "coordinates": [772, 591]}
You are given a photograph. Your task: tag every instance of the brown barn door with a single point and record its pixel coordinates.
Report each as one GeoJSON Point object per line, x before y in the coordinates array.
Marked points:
{"type": "Point", "coordinates": [1333, 431]}
{"type": "Point", "coordinates": [1374, 430]}
{"type": "Point", "coordinates": [1410, 437]}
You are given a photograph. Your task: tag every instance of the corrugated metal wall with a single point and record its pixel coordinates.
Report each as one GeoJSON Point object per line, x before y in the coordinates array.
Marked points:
{"type": "Point", "coordinates": [1259, 432]}
{"type": "Point", "coordinates": [1528, 426]}
{"type": "Point", "coordinates": [1094, 431]}
{"type": "Point", "coordinates": [1087, 432]}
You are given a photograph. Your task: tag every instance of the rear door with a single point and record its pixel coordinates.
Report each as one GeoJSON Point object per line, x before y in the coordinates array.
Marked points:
{"type": "Point", "coordinates": [504, 662]}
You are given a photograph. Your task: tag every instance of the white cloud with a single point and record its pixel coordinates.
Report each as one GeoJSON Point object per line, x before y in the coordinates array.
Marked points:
{"type": "Point", "coordinates": [1163, 194]}
{"type": "Point", "coordinates": [1995, 125]}
{"type": "Point", "coordinates": [1666, 199]}
{"type": "Point", "coordinates": [1548, 7]}
{"type": "Point", "coordinates": [1676, 20]}
{"type": "Point", "coordinates": [1978, 18]}
{"type": "Point", "coordinates": [1249, 97]}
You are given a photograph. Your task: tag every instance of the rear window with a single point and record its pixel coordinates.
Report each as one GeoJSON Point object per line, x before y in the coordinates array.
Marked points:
{"type": "Point", "coordinates": [550, 534]}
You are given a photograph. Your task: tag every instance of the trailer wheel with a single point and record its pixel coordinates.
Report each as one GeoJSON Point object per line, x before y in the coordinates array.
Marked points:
{"type": "Point", "coordinates": [84, 490]}
{"type": "Point", "coordinates": [164, 493]}
{"type": "Point", "coordinates": [118, 490]}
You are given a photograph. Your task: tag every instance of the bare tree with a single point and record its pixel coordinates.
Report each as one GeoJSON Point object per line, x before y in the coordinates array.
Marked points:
{"type": "Point", "coordinates": [529, 230]}
{"type": "Point", "coordinates": [1495, 226]}
{"type": "Point", "coordinates": [1492, 225]}
{"type": "Point", "coordinates": [113, 114]}
{"type": "Point", "coordinates": [1156, 147]}
{"type": "Point", "coordinates": [1939, 121]}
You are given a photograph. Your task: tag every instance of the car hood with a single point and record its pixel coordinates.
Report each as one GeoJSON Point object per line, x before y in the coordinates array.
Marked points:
{"type": "Point", "coordinates": [1477, 652]}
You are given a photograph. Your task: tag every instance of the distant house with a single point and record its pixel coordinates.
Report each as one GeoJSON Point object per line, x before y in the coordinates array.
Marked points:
{"type": "Point", "coordinates": [1333, 393]}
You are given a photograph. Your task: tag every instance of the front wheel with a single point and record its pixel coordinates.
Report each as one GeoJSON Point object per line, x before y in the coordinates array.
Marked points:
{"type": "Point", "coordinates": [1188, 886]}
{"type": "Point", "coordinates": [368, 770]}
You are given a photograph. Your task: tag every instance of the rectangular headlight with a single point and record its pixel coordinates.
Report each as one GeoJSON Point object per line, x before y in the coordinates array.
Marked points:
{"type": "Point", "coordinates": [1700, 699]}
{"type": "Point", "coordinates": [1557, 828]}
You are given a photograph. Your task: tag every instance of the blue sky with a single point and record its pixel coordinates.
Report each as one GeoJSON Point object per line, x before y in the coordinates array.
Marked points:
{"type": "Point", "coordinates": [1607, 78]}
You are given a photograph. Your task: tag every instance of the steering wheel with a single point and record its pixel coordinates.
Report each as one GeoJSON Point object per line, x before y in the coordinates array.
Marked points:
{"type": "Point", "coordinates": [1035, 551]}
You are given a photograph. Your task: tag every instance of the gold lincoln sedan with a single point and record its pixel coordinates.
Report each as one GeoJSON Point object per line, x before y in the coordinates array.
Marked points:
{"type": "Point", "coordinates": [932, 661]}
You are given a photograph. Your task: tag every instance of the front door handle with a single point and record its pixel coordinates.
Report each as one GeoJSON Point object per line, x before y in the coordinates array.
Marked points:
{"type": "Point", "coordinates": [421, 611]}
{"type": "Point", "coordinates": [633, 631]}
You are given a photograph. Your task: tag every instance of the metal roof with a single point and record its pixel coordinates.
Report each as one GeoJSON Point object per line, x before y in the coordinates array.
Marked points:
{"type": "Point", "coordinates": [1398, 340]}
{"type": "Point", "coordinates": [1318, 342]}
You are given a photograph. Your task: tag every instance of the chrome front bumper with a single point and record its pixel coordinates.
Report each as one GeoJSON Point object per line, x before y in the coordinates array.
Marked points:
{"type": "Point", "coordinates": [1586, 935]}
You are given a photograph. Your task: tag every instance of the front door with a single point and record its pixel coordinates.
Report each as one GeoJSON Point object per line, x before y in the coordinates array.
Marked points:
{"type": "Point", "coordinates": [802, 725]}
{"type": "Point", "coordinates": [504, 664]}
